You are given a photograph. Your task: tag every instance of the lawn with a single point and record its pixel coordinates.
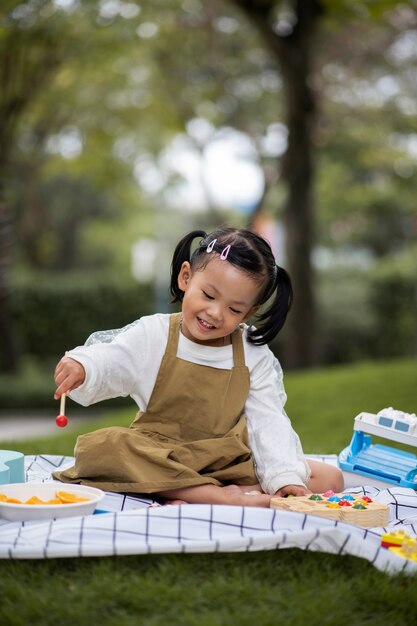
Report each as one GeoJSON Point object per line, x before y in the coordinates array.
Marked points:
{"type": "Point", "coordinates": [263, 588]}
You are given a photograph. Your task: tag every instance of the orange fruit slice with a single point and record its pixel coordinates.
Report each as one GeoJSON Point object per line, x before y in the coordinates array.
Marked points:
{"type": "Point", "coordinates": [62, 497]}
{"type": "Point", "coordinates": [69, 498]}
{"type": "Point", "coordinates": [35, 500]}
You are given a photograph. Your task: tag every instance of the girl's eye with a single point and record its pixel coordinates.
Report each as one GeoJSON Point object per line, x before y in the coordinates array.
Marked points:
{"type": "Point", "coordinates": [207, 296]}
{"type": "Point", "coordinates": [235, 311]}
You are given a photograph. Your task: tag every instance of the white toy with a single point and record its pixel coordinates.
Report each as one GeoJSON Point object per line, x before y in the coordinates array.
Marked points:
{"type": "Point", "coordinates": [377, 461]}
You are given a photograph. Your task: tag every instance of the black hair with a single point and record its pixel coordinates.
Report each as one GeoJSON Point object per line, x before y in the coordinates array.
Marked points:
{"type": "Point", "coordinates": [252, 254]}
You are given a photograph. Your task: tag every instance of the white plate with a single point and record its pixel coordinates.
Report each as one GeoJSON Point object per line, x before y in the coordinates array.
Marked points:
{"type": "Point", "coordinates": [46, 491]}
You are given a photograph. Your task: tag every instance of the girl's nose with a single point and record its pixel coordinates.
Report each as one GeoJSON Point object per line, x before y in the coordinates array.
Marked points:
{"type": "Point", "coordinates": [215, 311]}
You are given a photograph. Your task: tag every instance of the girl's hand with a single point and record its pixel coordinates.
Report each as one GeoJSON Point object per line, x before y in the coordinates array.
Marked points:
{"type": "Point", "coordinates": [69, 374]}
{"type": "Point", "coordinates": [292, 490]}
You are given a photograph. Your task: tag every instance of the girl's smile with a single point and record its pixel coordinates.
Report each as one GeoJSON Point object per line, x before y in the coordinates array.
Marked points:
{"type": "Point", "coordinates": [217, 298]}
{"type": "Point", "coordinates": [205, 325]}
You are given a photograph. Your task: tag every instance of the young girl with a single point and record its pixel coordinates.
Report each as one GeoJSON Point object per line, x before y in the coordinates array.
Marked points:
{"type": "Point", "coordinates": [211, 426]}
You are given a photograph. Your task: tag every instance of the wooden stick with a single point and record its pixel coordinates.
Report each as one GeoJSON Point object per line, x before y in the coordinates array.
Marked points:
{"type": "Point", "coordinates": [62, 405]}
{"type": "Point", "coordinates": [63, 398]}
{"type": "Point", "coordinates": [61, 420]}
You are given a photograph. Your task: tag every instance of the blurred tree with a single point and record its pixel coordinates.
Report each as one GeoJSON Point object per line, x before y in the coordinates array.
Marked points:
{"type": "Point", "coordinates": [366, 184]}
{"type": "Point", "coordinates": [46, 47]}
{"type": "Point", "coordinates": [30, 54]}
{"type": "Point", "coordinates": [53, 222]}
{"type": "Point", "coordinates": [288, 29]}
{"type": "Point", "coordinates": [136, 90]}
{"type": "Point", "coordinates": [43, 44]}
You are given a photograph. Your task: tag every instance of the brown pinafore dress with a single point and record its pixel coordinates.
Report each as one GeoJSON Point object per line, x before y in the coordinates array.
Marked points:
{"type": "Point", "coordinates": [192, 433]}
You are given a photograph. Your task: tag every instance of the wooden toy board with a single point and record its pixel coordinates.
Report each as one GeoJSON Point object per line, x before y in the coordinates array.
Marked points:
{"type": "Point", "coordinates": [373, 515]}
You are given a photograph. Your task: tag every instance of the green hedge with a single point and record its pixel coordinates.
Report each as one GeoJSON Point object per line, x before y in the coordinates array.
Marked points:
{"type": "Point", "coordinates": [363, 314]}
{"type": "Point", "coordinates": [368, 312]}
{"type": "Point", "coordinates": [51, 315]}
{"type": "Point", "coordinates": [394, 299]}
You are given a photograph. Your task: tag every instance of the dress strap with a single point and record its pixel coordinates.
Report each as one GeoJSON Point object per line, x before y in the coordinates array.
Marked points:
{"type": "Point", "coordinates": [174, 334]}
{"type": "Point", "coordinates": [238, 351]}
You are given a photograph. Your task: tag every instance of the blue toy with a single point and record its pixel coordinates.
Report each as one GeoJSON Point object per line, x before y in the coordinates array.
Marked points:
{"type": "Point", "coordinates": [381, 462]}
{"type": "Point", "coordinates": [12, 467]}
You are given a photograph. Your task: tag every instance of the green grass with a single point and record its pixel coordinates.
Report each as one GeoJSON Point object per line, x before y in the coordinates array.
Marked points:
{"type": "Point", "coordinates": [288, 587]}
{"type": "Point", "coordinates": [265, 588]}
{"type": "Point", "coordinates": [322, 403]}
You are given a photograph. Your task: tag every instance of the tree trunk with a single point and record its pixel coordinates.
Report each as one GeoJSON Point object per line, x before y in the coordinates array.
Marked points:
{"type": "Point", "coordinates": [293, 52]}
{"type": "Point", "coordinates": [298, 172]}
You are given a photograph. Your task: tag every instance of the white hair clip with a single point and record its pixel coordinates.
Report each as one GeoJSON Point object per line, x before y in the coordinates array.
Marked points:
{"type": "Point", "coordinates": [211, 245]}
{"type": "Point", "coordinates": [225, 252]}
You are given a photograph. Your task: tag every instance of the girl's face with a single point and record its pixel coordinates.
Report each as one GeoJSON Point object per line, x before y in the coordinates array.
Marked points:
{"type": "Point", "coordinates": [216, 300]}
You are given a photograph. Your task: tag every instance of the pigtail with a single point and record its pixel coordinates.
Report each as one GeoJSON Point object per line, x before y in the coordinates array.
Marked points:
{"type": "Point", "coordinates": [181, 254]}
{"type": "Point", "coordinates": [276, 314]}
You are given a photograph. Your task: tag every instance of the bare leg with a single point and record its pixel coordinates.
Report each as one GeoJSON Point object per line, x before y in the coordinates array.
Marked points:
{"type": "Point", "coordinates": [212, 494]}
{"type": "Point", "coordinates": [324, 477]}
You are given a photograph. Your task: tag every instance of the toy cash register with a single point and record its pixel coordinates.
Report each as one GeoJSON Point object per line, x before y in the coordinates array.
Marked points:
{"type": "Point", "coordinates": [378, 461]}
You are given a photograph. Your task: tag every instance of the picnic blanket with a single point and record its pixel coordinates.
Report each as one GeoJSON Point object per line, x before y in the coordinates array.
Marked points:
{"type": "Point", "coordinates": [135, 525]}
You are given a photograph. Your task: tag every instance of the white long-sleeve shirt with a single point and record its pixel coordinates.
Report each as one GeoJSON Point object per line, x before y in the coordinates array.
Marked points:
{"type": "Point", "coordinates": [129, 365]}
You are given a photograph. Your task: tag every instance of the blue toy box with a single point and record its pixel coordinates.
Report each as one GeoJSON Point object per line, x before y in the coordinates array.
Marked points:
{"type": "Point", "coordinates": [380, 462]}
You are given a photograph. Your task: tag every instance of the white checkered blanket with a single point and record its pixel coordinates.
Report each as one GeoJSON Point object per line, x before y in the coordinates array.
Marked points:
{"type": "Point", "coordinates": [132, 526]}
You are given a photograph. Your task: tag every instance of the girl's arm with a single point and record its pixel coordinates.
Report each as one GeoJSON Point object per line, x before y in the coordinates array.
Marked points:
{"type": "Point", "coordinates": [104, 370]}
{"type": "Point", "coordinates": [276, 448]}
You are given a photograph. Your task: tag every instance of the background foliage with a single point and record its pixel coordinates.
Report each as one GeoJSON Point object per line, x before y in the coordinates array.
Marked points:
{"type": "Point", "coordinates": [107, 106]}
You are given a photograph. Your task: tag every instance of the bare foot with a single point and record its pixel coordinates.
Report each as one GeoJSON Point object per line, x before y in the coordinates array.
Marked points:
{"type": "Point", "coordinates": [212, 494]}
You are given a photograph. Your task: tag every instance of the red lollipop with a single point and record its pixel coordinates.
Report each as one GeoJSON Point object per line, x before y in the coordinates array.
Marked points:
{"type": "Point", "coordinates": [62, 420]}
